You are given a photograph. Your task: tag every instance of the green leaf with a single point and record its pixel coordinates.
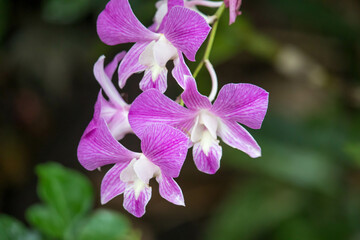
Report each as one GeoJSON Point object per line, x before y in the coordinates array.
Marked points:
{"type": "Point", "coordinates": [105, 224]}
{"type": "Point", "coordinates": [252, 210]}
{"type": "Point", "coordinates": [67, 196]}
{"type": "Point", "coordinates": [67, 191]}
{"type": "Point", "coordinates": [12, 229]}
{"type": "Point", "coordinates": [45, 220]}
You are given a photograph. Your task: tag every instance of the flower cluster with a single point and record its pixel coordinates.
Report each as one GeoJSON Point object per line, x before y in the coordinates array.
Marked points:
{"type": "Point", "coordinates": [166, 128]}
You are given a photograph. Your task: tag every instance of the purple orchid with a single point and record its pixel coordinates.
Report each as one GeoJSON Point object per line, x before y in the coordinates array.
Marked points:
{"type": "Point", "coordinates": [234, 6]}
{"type": "Point", "coordinates": [203, 122]}
{"type": "Point", "coordinates": [163, 6]}
{"type": "Point", "coordinates": [114, 111]}
{"type": "Point", "coordinates": [181, 31]}
{"type": "Point", "coordinates": [163, 153]}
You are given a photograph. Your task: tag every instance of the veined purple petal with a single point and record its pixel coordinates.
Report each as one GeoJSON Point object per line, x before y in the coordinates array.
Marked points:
{"type": "Point", "coordinates": [236, 136]}
{"type": "Point", "coordinates": [105, 81]}
{"type": "Point", "coordinates": [111, 185]}
{"type": "Point", "coordinates": [186, 30]}
{"type": "Point", "coordinates": [152, 107]}
{"type": "Point", "coordinates": [234, 6]}
{"type": "Point", "coordinates": [173, 3]}
{"type": "Point", "coordinates": [166, 147]}
{"type": "Point", "coordinates": [207, 161]}
{"type": "Point", "coordinates": [136, 204]}
{"type": "Point", "coordinates": [130, 64]}
{"type": "Point", "coordinates": [244, 103]}
{"type": "Point", "coordinates": [161, 16]}
{"type": "Point", "coordinates": [112, 66]}
{"type": "Point", "coordinates": [192, 98]}
{"type": "Point", "coordinates": [170, 190]}
{"type": "Point", "coordinates": [161, 12]}
{"type": "Point", "coordinates": [118, 24]}
{"type": "Point", "coordinates": [96, 116]}
{"type": "Point", "coordinates": [160, 83]}
{"type": "Point", "coordinates": [180, 70]}
{"type": "Point", "coordinates": [98, 148]}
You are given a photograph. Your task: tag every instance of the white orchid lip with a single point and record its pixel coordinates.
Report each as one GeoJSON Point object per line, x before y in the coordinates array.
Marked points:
{"type": "Point", "coordinates": [156, 54]}
{"type": "Point", "coordinates": [205, 121]}
{"type": "Point", "coordinates": [138, 174]}
{"type": "Point", "coordinates": [204, 130]}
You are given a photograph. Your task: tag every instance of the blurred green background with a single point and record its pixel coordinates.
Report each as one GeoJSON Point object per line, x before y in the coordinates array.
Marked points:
{"type": "Point", "coordinates": [305, 53]}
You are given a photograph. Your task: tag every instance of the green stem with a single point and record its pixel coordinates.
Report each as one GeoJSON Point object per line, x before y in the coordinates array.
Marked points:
{"type": "Point", "coordinates": [211, 40]}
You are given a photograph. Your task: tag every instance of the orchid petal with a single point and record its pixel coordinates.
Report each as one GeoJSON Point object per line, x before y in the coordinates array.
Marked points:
{"type": "Point", "coordinates": [105, 81]}
{"type": "Point", "coordinates": [192, 98]}
{"type": "Point", "coordinates": [130, 64]}
{"type": "Point", "coordinates": [210, 122]}
{"type": "Point", "coordinates": [180, 70]}
{"type": "Point", "coordinates": [145, 169]}
{"type": "Point", "coordinates": [116, 118]}
{"type": "Point", "coordinates": [207, 155]}
{"type": "Point", "coordinates": [118, 24]}
{"type": "Point", "coordinates": [244, 103]}
{"type": "Point", "coordinates": [237, 137]}
{"type": "Point", "coordinates": [160, 83]}
{"type": "Point", "coordinates": [170, 190]}
{"type": "Point", "coordinates": [112, 66]}
{"type": "Point", "coordinates": [96, 115]}
{"type": "Point", "coordinates": [111, 185]}
{"type": "Point", "coordinates": [161, 12]}
{"type": "Point", "coordinates": [164, 51]}
{"type": "Point", "coordinates": [162, 16]}
{"type": "Point", "coordinates": [186, 30]}
{"type": "Point", "coordinates": [173, 3]}
{"type": "Point", "coordinates": [152, 107]}
{"type": "Point", "coordinates": [129, 174]}
{"type": "Point", "coordinates": [234, 6]}
{"type": "Point", "coordinates": [166, 147]}
{"type": "Point", "coordinates": [98, 148]}
{"type": "Point", "coordinates": [136, 204]}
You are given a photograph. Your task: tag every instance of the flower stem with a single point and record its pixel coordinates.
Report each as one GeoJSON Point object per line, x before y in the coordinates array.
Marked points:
{"type": "Point", "coordinates": [211, 40]}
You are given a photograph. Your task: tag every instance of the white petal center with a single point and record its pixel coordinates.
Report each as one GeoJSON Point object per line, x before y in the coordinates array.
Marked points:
{"type": "Point", "coordinates": [204, 130]}
{"type": "Point", "coordinates": [157, 54]}
{"type": "Point", "coordinates": [138, 174]}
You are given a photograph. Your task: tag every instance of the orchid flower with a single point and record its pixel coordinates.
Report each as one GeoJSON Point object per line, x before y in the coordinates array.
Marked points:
{"type": "Point", "coordinates": [162, 9]}
{"type": "Point", "coordinates": [233, 5]}
{"type": "Point", "coordinates": [182, 31]}
{"type": "Point", "coordinates": [204, 122]}
{"type": "Point", "coordinates": [163, 153]}
{"type": "Point", "coordinates": [114, 111]}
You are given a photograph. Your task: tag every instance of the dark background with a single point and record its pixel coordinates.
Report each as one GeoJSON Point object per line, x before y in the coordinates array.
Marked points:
{"type": "Point", "coordinates": [305, 53]}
